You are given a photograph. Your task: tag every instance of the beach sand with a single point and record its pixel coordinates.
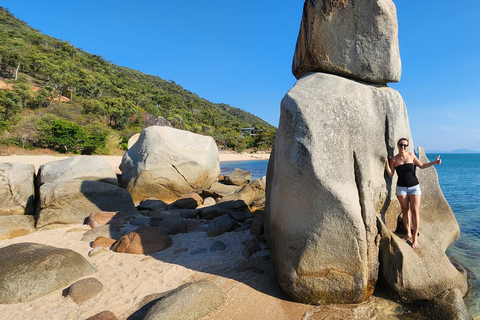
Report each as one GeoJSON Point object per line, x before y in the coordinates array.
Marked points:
{"type": "Point", "coordinates": [248, 284]}
{"type": "Point", "coordinates": [115, 161]}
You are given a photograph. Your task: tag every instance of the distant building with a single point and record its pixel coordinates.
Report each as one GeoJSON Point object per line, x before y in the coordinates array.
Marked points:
{"type": "Point", "coordinates": [251, 131]}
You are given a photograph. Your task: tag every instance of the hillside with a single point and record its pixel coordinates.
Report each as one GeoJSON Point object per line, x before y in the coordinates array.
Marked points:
{"type": "Point", "coordinates": [63, 98]}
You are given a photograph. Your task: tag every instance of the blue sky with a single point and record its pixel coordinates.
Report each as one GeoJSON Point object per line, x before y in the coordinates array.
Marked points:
{"type": "Point", "coordinates": [240, 53]}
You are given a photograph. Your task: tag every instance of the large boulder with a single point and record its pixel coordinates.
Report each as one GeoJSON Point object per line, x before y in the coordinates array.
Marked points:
{"type": "Point", "coordinates": [29, 271]}
{"type": "Point", "coordinates": [16, 188]}
{"type": "Point", "coordinates": [90, 168]}
{"type": "Point", "coordinates": [73, 201]}
{"type": "Point", "coordinates": [16, 226]}
{"type": "Point", "coordinates": [190, 301]}
{"type": "Point", "coordinates": [328, 164]}
{"type": "Point", "coordinates": [424, 273]}
{"type": "Point", "coordinates": [166, 163]}
{"type": "Point", "coordinates": [356, 39]}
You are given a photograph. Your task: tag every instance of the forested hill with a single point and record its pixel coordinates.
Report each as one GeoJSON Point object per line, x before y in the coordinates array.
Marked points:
{"type": "Point", "coordinates": [57, 96]}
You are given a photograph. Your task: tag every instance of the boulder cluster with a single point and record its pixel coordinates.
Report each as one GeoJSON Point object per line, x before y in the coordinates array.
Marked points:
{"type": "Point", "coordinates": [86, 190]}
{"type": "Point", "coordinates": [338, 125]}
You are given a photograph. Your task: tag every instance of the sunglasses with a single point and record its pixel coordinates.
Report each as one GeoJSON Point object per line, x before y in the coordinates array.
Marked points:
{"type": "Point", "coordinates": [402, 145]}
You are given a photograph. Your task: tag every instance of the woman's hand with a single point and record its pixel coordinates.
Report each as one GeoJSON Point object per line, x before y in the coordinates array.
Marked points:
{"type": "Point", "coordinates": [438, 160]}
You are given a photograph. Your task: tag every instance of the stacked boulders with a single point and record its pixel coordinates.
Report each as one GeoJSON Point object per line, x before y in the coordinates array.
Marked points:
{"type": "Point", "coordinates": [17, 196]}
{"type": "Point", "coordinates": [70, 190]}
{"type": "Point", "coordinates": [338, 125]}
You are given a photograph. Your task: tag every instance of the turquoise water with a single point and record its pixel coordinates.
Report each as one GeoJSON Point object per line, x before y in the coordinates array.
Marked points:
{"type": "Point", "coordinates": [459, 177]}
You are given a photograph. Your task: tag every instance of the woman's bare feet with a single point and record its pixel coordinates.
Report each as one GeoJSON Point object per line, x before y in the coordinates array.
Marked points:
{"type": "Point", "coordinates": [406, 238]}
{"type": "Point", "coordinates": [415, 243]}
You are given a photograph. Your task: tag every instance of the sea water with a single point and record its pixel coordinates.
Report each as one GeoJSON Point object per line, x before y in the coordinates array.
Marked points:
{"type": "Point", "coordinates": [459, 177]}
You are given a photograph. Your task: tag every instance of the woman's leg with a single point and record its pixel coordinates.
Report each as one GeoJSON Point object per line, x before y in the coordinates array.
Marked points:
{"type": "Point", "coordinates": [415, 208]}
{"type": "Point", "coordinates": [406, 219]}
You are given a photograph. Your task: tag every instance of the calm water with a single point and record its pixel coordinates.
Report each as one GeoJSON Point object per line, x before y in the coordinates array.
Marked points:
{"type": "Point", "coordinates": [459, 176]}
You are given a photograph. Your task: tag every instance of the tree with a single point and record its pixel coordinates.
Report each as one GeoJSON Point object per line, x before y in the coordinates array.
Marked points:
{"type": "Point", "coordinates": [10, 104]}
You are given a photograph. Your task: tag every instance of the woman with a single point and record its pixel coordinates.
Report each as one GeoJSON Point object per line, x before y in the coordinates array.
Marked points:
{"type": "Point", "coordinates": [408, 189]}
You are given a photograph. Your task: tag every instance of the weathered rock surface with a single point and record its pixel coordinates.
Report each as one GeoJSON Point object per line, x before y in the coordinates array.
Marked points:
{"type": "Point", "coordinates": [172, 224]}
{"type": "Point", "coordinates": [426, 272]}
{"type": "Point", "coordinates": [355, 39]}
{"type": "Point", "coordinates": [104, 315]}
{"type": "Point", "coordinates": [152, 204]}
{"type": "Point", "coordinates": [90, 168]}
{"type": "Point", "coordinates": [329, 159]}
{"type": "Point", "coordinates": [188, 302]}
{"type": "Point", "coordinates": [144, 240]}
{"type": "Point", "coordinates": [29, 271]}
{"type": "Point", "coordinates": [220, 225]}
{"type": "Point", "coordinates": [104, 242]}
{"type": "Point", "coordinates": [188, 201]}
{"type": "Point", "coordinates": [166, 163]}
{"type": "Point", "coordinates": [73, 201]}
{"type": "Point", "coordinates": [16, 226]}
{"type": "Point", "coordinates": [101, 218]}
{"type": "Point", "coordinates": [218, 189]}
{"type": "Point", "coordinates": [448, 305]}
{"type": "Point", "coordinates": [16, 188]}
{"type": "Point", "coordinates": [84, 290]}
{"type": "Point", "coordinates": [238, 177]}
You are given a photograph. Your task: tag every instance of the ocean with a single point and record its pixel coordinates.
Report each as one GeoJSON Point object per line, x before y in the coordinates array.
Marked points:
{"type": "Point", "coordinates": [459, 177]}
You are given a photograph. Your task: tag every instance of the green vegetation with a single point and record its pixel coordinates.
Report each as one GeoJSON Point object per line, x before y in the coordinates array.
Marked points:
{"type": "Point", "coordinates": [65, 99]}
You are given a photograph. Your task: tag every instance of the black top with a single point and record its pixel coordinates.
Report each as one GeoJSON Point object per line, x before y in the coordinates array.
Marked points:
{"type": "Point", "coordinates": [406, 175]}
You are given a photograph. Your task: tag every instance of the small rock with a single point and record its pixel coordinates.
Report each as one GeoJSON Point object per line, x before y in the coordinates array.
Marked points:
{"type": "Point", "coordinates": [218, 246]}
{"type": "Point", "coordinates": [104, 315]}
{"type": "Point", "coordinates": [220, 225]}
{"type": "Point", "coordinates": [143, 241]}
{"type": "Point", "coordinates": [251, 247]}
{"type": "Point", "coordinates": [84, 290]}
{"type": "Point", "coordinates": [152, 204]}
{"type": "Point", "coordinates": [173, 224]}
{"type": "Point", "coordinates": [96, 250]}
{"type": "Point", "coordinates": [257, 225]}
{"type": "Point", "coordinates": [101, 218]}
{"type": "Point", "coordinates": [190, 301]}
{"type": "Point", "coordinates": [191, 224]}
{"type": "Point", "coordinates": [188, 201]}
{"type": "Point", "coordinates": [238, 177]}
{"type": "Point", "coordinates": [209, 201]}
{"type": "Point", "coordinates": [103, 242]}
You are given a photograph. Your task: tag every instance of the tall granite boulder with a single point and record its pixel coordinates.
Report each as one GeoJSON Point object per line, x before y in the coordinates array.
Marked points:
{"type": "Point", "coordinates": [166, 163]}
{"type": "Point", "coordinates": [355, 39]}
{"type": "Point", "coordinates": [424, 273]}
{"type": "Point", "coordinates": [16, 188]}
{"type": "Point", "coordinates": [29, 271]}
{"type": "Point", "coordinates": [90, 168]}
{"type": "Point", "coordinates": [329, 160]}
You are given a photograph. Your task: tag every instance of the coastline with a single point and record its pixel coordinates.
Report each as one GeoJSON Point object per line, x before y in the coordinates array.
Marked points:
{"type": "Point", "coordinates": [114, 161]}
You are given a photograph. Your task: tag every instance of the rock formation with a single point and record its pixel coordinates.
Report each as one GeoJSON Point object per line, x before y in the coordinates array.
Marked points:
{"type": "Point", "coordinates": [334, 239]}
{"type": "Point", "coordinates": [355, 39]}
{"type": "Point", "coordinates": [30, 270]}
{"type": "Point", "coordinates": [166, 163]}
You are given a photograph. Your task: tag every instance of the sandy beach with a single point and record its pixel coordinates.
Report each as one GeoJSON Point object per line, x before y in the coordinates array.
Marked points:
{"type": "Point", "coordinates": [115, 161]}
{"type": "Point", "coordinates": [248, 284]}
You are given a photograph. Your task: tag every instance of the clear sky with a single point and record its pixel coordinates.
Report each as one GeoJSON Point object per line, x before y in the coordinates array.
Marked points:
{"type": "Point", "coordinates": [240, 52]}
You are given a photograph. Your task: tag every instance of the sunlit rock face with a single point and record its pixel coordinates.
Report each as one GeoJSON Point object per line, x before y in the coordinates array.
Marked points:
{"type": "Point", "coordinates": [355, 39]}
{"type": "Point", "coordinates": [326, 185]}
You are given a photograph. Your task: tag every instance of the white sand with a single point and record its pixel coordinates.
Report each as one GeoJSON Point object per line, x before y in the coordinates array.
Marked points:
{"type": "Point", "coordinates": [128, 278]}
{"type": "Point", "coordinates": [115, 161]}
